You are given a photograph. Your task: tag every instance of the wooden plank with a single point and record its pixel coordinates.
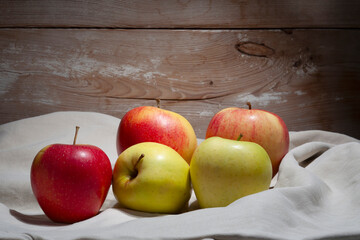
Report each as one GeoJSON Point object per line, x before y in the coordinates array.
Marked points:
{"type": "Point", "coordinates": [181, 14]}
{"type": "Point", "coordinates": [309, 77]}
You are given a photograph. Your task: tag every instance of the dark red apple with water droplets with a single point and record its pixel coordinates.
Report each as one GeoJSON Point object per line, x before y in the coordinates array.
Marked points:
{"type": "Point", "coordinates": [70, 182]}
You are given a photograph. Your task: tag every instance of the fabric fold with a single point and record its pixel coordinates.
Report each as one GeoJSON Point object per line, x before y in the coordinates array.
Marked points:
{"type": "Point", "coordinates": [315, 196]}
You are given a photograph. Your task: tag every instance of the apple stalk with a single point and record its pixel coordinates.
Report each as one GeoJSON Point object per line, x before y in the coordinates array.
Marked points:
{"type": "Point", "coordinates": [249, 105]}
{"type": "Point", "coordinates": [76, 133]}
{"type": "Point", "coordinates": [136, 171]}
{"type": "Point", "coordinates": [158, 102]}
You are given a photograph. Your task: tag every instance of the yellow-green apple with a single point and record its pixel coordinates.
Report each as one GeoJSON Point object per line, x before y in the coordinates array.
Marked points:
{"type": "Point", "coordinates": [151, 177]}
{"type": "Point", "coordinates": [259, 126]}
{"type": "Point", "coordinates": [224, 170]}
{"type": "Point", "coordinates": [70, 182]}
{"type": "Point", "coordinates": [152, 124]}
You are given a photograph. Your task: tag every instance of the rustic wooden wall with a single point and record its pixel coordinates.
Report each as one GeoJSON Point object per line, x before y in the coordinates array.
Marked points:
{"type": "Point", "coordinates": [299, 59]}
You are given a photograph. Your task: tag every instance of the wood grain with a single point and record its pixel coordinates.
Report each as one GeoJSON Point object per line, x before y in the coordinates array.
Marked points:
{"type": "Point", "coordinates": [308, 77]}
{"type": "Point", "coordinates": [181, 14]}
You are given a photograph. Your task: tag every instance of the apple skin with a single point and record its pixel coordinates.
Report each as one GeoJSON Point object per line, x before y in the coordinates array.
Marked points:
{"type": "Point", "coordinates": [70, 182]}
{"type": "Point", "coordinates": [152, 124]}
{"type": "Point", "coordinates": [224, 170]}
{"type": "Point", "coordinates": [259, 126]}
{"type": "Point", "coordinates": [159, 182]}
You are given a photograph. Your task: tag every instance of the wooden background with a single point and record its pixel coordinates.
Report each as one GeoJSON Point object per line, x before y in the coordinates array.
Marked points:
{"type": "Point", "coordinates": [298, 59]}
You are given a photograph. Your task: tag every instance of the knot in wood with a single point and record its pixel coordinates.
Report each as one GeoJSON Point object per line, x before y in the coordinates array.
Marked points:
{"type": "Point", "coordinates": [255, 49]}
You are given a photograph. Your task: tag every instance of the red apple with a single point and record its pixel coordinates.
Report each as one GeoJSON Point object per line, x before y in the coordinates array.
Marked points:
{"type": "Point", "coordinates": [153, 124]}
{"type": "Point", "coordinates": [262, 127]}
{"type": "Point", "coordinates": [70, 182]}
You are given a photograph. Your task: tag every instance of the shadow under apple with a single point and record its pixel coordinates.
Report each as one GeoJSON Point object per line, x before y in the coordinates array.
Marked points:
{"type": "Point", "coordinates": [134, 213]}
{"type": "Point", "coordinates": [37, 219]}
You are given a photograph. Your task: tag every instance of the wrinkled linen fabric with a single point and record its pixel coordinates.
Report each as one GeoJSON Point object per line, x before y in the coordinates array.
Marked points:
{"type": "Point", "coordinates": [316, 194]}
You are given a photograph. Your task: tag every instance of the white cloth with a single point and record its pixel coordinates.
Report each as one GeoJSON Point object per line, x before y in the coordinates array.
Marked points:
{"type": "Point", "coordinates": [316, 193]}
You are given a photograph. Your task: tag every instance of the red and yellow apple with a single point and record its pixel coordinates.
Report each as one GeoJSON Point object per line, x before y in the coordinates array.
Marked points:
{"type": "Point", "coordinates": [70, 182]}
{"type": "Point", "coordinates": [152, 124]}
{"type": "Point", "coordinates": [262, 127]}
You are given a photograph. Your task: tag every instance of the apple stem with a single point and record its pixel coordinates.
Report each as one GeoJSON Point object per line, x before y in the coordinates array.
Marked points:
{"type": "Point", "coordinates": [249, 104]}
{"type": "Point", "coordinates": [240, 136]}
{"type": "Point", "coordinates": [76, 133]}
{"type": "Point", "coordinates": [137, 162]}
{"type": "Point", "coordinates": [158, 102]}
{"type": "Point", "coordinates": [135, 173]}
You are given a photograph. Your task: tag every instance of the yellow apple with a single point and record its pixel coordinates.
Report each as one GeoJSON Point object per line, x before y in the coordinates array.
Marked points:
{"type": "Point", "coordinates": [224, 170]}
{"type": "Point", "coordinates": [151, 177]}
